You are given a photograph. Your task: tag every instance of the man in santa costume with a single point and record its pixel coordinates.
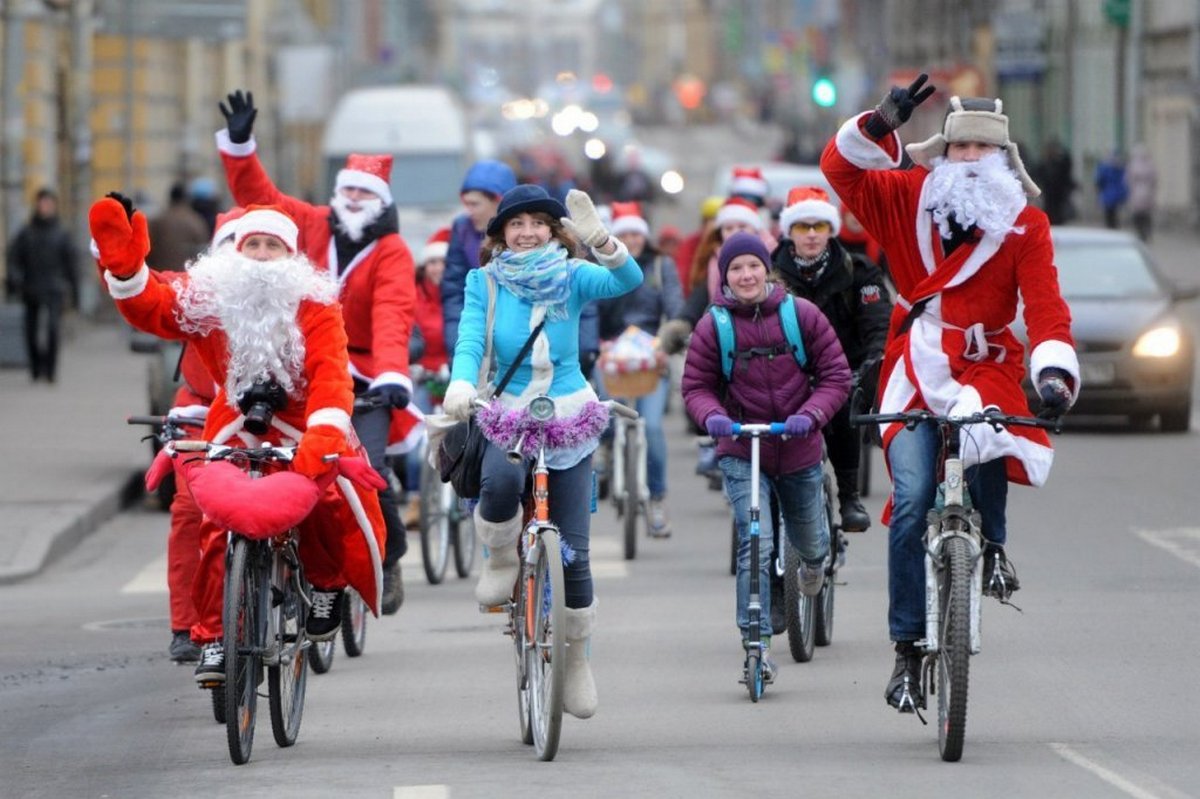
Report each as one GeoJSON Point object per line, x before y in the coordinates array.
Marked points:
{"type": "Point", "coordinates": [257, 313]}
{"type": "Point", "coordinates": [963, 246]}
{"type": "Point", "coordinates": [356, 238]}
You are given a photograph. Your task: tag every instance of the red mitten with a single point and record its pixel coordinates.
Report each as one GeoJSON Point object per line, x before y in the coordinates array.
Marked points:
{"type": "Point", "coordinates": [317, 442]}
{"type": "Point", "coordinates": [123, 242]}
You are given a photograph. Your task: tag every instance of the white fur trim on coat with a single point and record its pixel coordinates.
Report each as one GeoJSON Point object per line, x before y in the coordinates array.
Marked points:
{"type": "Point", "coordinates": [334, 417]}
{"type": "Point", "coordinates": [859, 150]}
{"type": "Point", "coordinates": [236, 149]}
{"type": "Point", "coordinates": [131, 287]}
{"type": "Point", "coordinates": [1057, 354]}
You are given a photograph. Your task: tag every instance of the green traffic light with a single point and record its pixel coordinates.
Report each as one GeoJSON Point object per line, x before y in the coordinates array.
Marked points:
{"type": "Point", "coordinates": [824, 93]}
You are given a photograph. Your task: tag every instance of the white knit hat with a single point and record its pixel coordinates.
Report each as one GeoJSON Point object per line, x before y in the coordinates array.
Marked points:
{"type": "Point", "coordinates": [809, 202]}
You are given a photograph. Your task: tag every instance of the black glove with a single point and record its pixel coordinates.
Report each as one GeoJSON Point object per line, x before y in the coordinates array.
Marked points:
{"type": "Point", "coordinates": [897, 106]}
{"type": "Point", "coordinates": [125, 202]}
{"type": "Point", "coordinates": [1054, 392]}
{"type": "Point", "coordinates": [239, 116]}
{"type": "Point", "coordinates": [392, 394]}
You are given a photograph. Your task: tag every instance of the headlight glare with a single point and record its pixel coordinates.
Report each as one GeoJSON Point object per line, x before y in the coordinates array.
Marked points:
{"type": "Point", "coordinates": [1159, 342]}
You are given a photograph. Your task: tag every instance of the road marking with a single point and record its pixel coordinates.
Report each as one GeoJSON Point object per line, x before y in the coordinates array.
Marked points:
{"type": "Point", "coordinates": [1113, 778]}
{"type": "Point", "coordinates": [152, 579]}
{"type": "Point", "coordinates": [421, 792]}
{"type": "Point", "coordinates": [1182, 542]}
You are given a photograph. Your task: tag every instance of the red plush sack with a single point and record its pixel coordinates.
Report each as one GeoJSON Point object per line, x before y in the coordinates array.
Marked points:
{"type": "Point", "coordinates": [256, 508]}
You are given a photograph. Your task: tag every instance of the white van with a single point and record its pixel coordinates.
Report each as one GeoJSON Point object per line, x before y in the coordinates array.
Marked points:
{"type": "Point", "coordinates": [425, 130]}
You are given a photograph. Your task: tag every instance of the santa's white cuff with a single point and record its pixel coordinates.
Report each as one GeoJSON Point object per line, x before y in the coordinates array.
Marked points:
{"type": "Point", "coordinates": [616, 258]}
{"type": "Point", "coordinates": [392, 379]}
{"type": "Point", "coordinates": [128, 288]}
{"type": "Point", "coordinates": [236, 149]}
{"type": "Point", "coordinates": [189, 411]}
{"type": "Point", "coordinates": [334, 417]}
{"type": "Point", "coordinates": [94, 249]}
{"type": "Point", "coordinates": [1057, 355]}
{"type": "Point", "coordinates": [858, 149]}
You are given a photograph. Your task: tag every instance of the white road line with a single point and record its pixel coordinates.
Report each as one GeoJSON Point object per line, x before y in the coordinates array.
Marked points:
{"type": "Point", "coordinates": [421, 792]}
{"type": "Point", "coordinates": [1113, 778]}
{"type": "Point", "coordinates": [1182, 542]}
{"type": "Point", "coordinates": [152, 579]}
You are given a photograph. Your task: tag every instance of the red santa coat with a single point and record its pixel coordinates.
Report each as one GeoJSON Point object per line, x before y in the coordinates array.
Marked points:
{"type": "Point", "coordinates": [343, 539]}
{"type": "Point", "coordinates": [377, 288]}
{"type": "Point", "coordinates": [960, 355]}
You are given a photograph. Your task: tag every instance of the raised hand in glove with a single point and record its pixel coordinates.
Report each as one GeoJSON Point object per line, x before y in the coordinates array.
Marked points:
{"type": "Point", "coordinates": [459, 396]}
{"type": "Point", "coordinates": [584, 223]}
{"type": "Point", "coordinates": [673, 335]}
{"type": "Point", "coordinates": [719, 426]}
{"type": "Point", "coordinates": [239, 116]}
{"type": "Point", "coordinates": [392, 395]}
{"type": "Point", "coordinates": [798, 425]}
{"type": "Point", "coordinates": [1054, 390]}
{"type": "Point", "coordinates": [896, 107]}
{"type": "Point", "coordinates": [317, 442]}
{"type": "Point", "coordinates": [121, 235]}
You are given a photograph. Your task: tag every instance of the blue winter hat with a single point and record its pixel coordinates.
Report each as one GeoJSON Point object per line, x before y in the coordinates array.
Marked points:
{"type": "Point", "coordinates": [528, 198]}
{"type": "Point", "coordinates": [741, 243]}
{"type": "Point", "coordinates": [489, 176]}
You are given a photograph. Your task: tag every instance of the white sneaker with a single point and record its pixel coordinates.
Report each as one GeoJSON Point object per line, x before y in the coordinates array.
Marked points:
{"type": "Point", "coordinates": [656, 514]}
{"type": "Point", "coordinates": [812, 578]}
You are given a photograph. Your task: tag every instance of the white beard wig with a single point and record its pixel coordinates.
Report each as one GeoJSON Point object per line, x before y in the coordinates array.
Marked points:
{"type": "Point", "coordinates": [986, 193]}
{"type": "Point", "coordinates": [254, 303]}
{"type": "Point", "coordinates": [353, 223]}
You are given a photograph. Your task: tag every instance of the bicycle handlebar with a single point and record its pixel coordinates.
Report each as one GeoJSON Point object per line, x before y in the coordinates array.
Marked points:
{"type": "Point", "coordinates": [910, 419]}
{"type": "Point", "coordinates": [162, 421]}
{"type": "Point", "coordinates": [771, 429]}
{"type": "Point", "coordinates": [612, 405]}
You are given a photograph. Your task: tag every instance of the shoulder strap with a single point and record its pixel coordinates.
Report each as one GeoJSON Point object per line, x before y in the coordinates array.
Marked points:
{"type": "Point", "coordinates": [525, 348]}
{"type": "Point", "coordinates": [725, 338]}
{"type": "Point", "coordinates": [485, 366]}
{"type": "Point", "coordinates": [790, 321]}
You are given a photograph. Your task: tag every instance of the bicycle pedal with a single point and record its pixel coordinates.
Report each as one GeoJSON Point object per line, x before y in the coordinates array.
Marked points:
{"type": "Point", "coordinates": [503, 607]}
{"type": "Point", "coordinates": [210, 684]}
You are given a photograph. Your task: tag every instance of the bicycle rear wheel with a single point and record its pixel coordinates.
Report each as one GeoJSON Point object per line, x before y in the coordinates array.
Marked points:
{"type": "Point", "coordinates": [463, 525]}
{"type": "Point", "coordinates": [287, 676]}
{"type": "Point", "coordinates": [243, 621]}
{"type": "Point", "coordinates": [823, 621]}
{"type": "Point", "coordinates": [218, 703]}
{"type": "Point", "coordinates": [521, 644]}
{"type": "Point", "coordinates": [320, 655]}
{"type": "Point", "coordinates": [354, 623]}
{"type": "Point", "coordinates": [546, 653]}
{"type": "Point", "coordinates": [801, 609]}
{"type": "Point", "coordinates": [435, 524]}
{"type": "Point", "coordinates": [633, 497]}
{"type": "Point", "coordinates": [953, 659]}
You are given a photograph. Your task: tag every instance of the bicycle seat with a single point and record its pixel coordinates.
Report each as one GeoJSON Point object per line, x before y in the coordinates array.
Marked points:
{"type": "Point", "coordinates": [255, 507]}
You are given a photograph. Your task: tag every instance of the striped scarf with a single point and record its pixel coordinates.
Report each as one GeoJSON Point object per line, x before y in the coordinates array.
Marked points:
{"type": "Point", "coordinates": [541, 277]}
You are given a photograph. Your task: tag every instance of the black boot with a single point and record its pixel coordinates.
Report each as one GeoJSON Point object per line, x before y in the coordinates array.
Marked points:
{"type": "Point", "coordinates": [903, 690]}
{"type": "Point", "coordinates": [855, 518]}
{"type": "Point", "coordinates": [999, 576]}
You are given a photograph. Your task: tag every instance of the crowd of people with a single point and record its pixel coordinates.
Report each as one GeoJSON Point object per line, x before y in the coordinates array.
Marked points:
{"type": "Point", "coordinates": [324, 310]}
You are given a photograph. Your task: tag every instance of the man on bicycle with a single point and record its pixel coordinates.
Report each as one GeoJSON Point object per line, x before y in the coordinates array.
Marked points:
{"type": "Point", "coordinates": [963, 246]}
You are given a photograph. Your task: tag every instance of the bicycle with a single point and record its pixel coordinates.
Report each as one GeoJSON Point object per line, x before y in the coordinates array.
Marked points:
{"type": "Point", "coordinates": [628, 489]}
{"type": "Point", "coordinates": [353, 630]}
{"type": "Point", "coordinates": [953, 574]}
{"type": "Point", "coordinates": [537, 609]}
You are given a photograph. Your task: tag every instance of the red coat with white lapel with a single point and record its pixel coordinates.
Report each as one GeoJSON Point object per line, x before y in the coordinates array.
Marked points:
{"type": "Point", "coordinates": [960, 355]}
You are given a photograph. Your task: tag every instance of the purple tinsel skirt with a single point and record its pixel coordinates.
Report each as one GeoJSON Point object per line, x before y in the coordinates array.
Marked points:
{"type": "Point", "coordinates": [503, 426]}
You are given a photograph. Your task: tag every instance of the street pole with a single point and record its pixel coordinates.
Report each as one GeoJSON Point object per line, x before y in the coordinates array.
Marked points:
{"type": "Point", "coordinates": [79, 108]}
{"type": "Point", "coordinates": [1133, 76]}
{"type": "Point", "coordinates": [12, 175]}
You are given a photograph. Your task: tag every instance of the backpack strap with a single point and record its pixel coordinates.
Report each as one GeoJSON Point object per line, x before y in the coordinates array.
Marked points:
{"type": "Point", "coordinates": [485, 365]}
{"type": "Point", "coordinates": [791, 330]}
{"type": "Point", "coordinates": [725, 339]}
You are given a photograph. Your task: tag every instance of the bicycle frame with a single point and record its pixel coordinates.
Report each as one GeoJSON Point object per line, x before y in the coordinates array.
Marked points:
{"type": "Point", "coordinates": [621, 429]}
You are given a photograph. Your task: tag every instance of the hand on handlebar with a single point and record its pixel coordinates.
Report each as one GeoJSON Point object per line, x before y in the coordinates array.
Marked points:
{"type": "Point", "coordinates": [718, 425]}
{"type": "Point", "coordinates": [1054, 393]}
{"type": "Point", "coordinates": [798, 425]}
{"type": "Point", "coordinates": [459, 400]}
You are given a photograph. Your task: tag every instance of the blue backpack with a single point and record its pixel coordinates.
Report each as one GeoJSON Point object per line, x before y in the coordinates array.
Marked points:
{"type": "Point", "coordinates": [727, 340]}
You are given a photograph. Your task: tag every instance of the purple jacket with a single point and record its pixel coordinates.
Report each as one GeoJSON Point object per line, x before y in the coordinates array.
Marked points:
{"type": "Point", "coordinates": [768, 389]}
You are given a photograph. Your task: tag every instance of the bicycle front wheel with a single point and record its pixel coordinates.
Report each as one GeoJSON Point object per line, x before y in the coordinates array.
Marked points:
{"type": "Point", "coordinates": [801, 609]}
{"type": "Point", "coordinates": [633, 498]}
{"type": "Point", "coordinates": [546, 651]}
{"type": "Point", "coordinates": [354, 623]}
{"type": "Point", "coordinates": [435, 524]}
{"type": "Point", "coordinates": [287, 675]}
{"type": "Point", "coordinates": [823, 618]}
{"type": "Point", "coordinates": [243, 621]}
{"type": "Point", "coordinates": [320, 655]}
{"type": "Point", "coordinates": [954, 656]}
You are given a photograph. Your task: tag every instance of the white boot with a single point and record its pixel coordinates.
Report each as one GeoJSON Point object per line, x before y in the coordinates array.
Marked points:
{"type": "Point", "coordinates": [500, 566]}
{"type": "Point", "coordinates": [579, 696]}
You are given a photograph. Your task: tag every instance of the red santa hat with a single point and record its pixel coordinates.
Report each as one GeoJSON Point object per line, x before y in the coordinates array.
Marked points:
{"type": "Point", "coordinates": [266, 220]}
{"type": "Point", "coordinates": [735, 209]}
{"type": "Point", "coordinates": [749, 181]}
{"type": "Point", "coordinates": [370, 172]}
{"type": "Point", "coordinates": [627, 218]}
{"type": "Point", "coordinates": [226, 226]}
{"type": "Point", "coordinates": [805, 203]}
{"type": "Point", "coordinates": [436, 247]}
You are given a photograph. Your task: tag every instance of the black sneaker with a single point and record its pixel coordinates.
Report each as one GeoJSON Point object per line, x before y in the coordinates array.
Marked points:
{"type": "Point", "coordinates": [212, 664]}
{"type": "Point", "coordinates": [182, 649]}
{"type": "Point", "coordinates": [393, 589]}
{"type": "Point", "coordinates": [325, 615]}
{"type": "Point", "coordinates": [903, 690]}
{"type": "Point", "coordinates": [855, 518]}
{"type": "Point", "coordinates": [999, 576]}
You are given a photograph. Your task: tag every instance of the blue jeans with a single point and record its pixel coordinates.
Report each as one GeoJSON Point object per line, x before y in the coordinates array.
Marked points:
{"type": "Point", "coordinates": [912, 457]}
{"type": "Point", "coordinates": [651, 408]}
{"type": "Point", "coordinates": [800, 503]}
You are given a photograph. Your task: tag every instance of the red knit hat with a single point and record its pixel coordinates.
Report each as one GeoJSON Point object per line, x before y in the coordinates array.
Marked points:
{"type": "Point", "coordinates": [627, 218]}
{"type": "Point", "coordinates": [268, 220]}
{"type": "Point", "coordinates": [370, 172]}
{"type": "Point", "coordinates": [436, 247]}
{"type": "Point", "coordinates": [809, 202]}
{"type": "Point", "coordinates": [749, 181]}
{"type": "Point", "coordinates": [735, 209]}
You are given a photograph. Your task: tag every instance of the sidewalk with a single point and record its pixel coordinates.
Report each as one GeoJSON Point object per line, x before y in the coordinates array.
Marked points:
{"type": "Point", "coordinates": [73, 460]}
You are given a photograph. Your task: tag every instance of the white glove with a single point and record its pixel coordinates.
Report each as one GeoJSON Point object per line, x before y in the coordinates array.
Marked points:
{"type": "Point", "coordinates": [459, 396]}
{"type": "Point", "coordinates": [584, 221]}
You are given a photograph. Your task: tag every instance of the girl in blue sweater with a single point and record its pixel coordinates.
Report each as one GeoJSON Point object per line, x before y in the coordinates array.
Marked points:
{"type": "Point", "coordinates": [528, 254]}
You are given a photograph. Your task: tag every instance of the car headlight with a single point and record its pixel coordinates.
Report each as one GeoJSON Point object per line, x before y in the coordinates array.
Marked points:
{"type": "Point", "coordinates": [1164, 341]}
{"type": "Point", "coordinates": [541, 408]}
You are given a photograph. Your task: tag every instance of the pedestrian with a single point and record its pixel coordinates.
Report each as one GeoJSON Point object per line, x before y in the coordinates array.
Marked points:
{"type": "Point", "coordinates": [1142, 178]}
{"type": "Point", "coordinates": [540, 289]}
{"type": "Point", "coordinates": [356, 239]}
{"type": "Point", "coordinates": [1056, 179]}
{"type": "Point", "coordinates": [965, 248]}
{"type": "Point", "coordinates": [811, 263]}
{"type": "Point", "coordinates": [41, 272]}
{"type": "Point", "coordinates": [178, 234]}
{"type": "Point", "coordinates": [1111, 187]}
{"type": "Point", "coordinates": [685, 254]}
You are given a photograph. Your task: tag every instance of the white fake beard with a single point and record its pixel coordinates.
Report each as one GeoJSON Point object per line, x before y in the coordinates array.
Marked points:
{"type": "Point", "coordinates": [254, 303]}
{"type": "Point", "coordinates": [986, 193]}
{"type": "Point", "coordinates": [353, 223]}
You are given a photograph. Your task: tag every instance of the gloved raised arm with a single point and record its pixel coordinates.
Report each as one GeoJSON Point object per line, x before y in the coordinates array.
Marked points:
{"type": "Point", "coordinates": [896, 107]}
{"type": "Point", "coordinates": [239, 116]}
{"type": "Point", "coordinates": [584, 223]}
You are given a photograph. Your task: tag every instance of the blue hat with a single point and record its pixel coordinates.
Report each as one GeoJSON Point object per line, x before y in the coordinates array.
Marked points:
{"type": "Point", "coordinates": [741, 243]}
{"type": "Point", "coordinates": [489, 176]}
{"type": "Point", "coordinates": [526, 198]}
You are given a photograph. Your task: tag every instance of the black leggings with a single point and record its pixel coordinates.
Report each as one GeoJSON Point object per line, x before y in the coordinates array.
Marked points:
{"type": "Point", "coordinates": [43, 359]}
{"type": "Point", "coordinates": [501, 487]}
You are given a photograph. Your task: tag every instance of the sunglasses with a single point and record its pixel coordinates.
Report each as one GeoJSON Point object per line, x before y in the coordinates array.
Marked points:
{"type": "Point", "coordinates": [815, 227]}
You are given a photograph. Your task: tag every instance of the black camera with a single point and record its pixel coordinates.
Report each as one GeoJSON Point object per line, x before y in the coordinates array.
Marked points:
{"type": "Point", "coordinates": [259, 404]}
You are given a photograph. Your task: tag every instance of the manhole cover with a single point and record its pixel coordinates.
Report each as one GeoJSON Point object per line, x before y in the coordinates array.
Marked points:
{"type": "Point", "coordinates": [157, 623]}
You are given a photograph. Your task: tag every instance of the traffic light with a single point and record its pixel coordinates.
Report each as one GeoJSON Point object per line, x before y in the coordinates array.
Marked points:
{"type": "Point", "coordinates": [824, 93]}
